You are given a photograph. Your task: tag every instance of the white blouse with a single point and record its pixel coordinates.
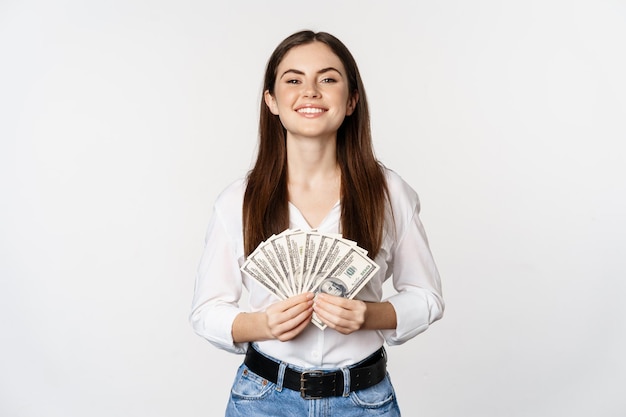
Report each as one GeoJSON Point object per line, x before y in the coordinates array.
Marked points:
{"type": "Point", "coordinates": [405, 257]}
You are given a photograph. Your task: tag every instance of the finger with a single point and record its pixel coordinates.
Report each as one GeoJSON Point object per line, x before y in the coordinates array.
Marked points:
{"type": "Point", "coordinates": [285, 306]}
{"type": "Point", "coordinates": [293, 333]}
{"type": "Point", "coordinates": [339, 324]}
{"type": "Point", "coordinates": [328, 313]}
{"type": "Point", "coordinates": [343, 307]}
{"type": "Point", "coordinates": [333, 299]}
{"type": "Point", "coordinates": [298, 308]}
{"type": "Point", "coordinates": [293, 327]}
{"type": "Point", "coordinates": [329, 306]}
{"type": "Point", "coordinates": [338, 318]}
{"type": "Point", "coordinates": [295, 300]}
{"type": "Point", "coordinates": [334, 322]}
{"type": "Point", "coordinates": [277, 316]}
{"type": "Point", "coordinates": [277, 313]}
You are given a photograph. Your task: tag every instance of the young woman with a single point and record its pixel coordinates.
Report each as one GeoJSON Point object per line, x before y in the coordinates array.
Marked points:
{"type": "Point", "coordinates": [315, 169]}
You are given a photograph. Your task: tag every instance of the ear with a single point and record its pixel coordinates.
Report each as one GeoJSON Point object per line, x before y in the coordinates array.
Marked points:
{"type": "Point", "coordinates": [352, 102]}
{"type": "Point", "coordinates": [270, 102]}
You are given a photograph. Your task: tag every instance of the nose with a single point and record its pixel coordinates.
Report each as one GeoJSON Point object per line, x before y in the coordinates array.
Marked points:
{"type": "Point", "coordinates": [311, 90]}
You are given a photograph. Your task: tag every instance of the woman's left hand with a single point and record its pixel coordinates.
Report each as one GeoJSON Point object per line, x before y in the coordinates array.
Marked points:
{"type": "Point", "coordinates": [342, 314]}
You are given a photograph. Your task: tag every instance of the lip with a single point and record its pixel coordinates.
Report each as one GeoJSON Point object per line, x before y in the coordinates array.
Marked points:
{"type": "Point", "coordinates": [310, 110]}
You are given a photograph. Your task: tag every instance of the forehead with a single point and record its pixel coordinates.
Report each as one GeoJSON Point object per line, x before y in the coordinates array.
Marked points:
{"type": "Point", "coordinates": [310, 57]}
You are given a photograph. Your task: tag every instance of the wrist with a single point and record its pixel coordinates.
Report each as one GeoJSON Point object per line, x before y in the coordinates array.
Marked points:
{"type": "Point", "coordinates": [379, 316]}
{"type": "Point", "coordinates": [265, 326]}
{"type": "Point", "coordinates": [251, 327]}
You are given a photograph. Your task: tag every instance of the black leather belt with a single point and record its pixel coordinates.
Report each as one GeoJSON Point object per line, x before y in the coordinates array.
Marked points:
{"type": "Point", "coordinates": [315, 384]}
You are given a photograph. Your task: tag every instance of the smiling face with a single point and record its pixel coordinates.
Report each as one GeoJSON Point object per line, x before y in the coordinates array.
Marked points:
{"type": "Point", "coordinates": [311, 95]}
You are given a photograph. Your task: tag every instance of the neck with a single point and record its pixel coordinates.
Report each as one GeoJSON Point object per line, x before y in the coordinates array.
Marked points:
{"type": "Point", "coordinates": [311, 160]}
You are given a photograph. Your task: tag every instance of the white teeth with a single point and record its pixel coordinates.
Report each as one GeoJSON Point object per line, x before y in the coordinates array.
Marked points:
{"type": "Point", "coordinates": [310, 110]}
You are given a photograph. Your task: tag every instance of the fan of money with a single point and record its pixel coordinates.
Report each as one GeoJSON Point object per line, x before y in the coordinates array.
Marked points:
{"type": "Point", "coordinates": [298, 261]}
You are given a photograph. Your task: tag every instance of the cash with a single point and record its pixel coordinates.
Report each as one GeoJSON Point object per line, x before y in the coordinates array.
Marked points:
{"type": "Point", "coordinates": [297, 261]}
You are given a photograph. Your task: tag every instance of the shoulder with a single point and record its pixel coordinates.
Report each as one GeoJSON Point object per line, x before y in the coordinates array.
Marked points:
{"type": "Point", "coordinates": [228, 204]}
{"type": "Point", "coordinates": [232, 195]}
{"type": "Point", "coordinates": [402, 196]}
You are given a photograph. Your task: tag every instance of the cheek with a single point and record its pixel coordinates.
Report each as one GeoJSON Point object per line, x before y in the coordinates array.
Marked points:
{"type": "Point", "coordinates": [284, 102]}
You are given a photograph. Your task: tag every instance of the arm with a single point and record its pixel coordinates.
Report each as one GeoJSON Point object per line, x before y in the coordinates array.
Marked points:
{"type": "Point", "coordinates": [218, 287]}
{"type": "Point", "coordinates": [418, 301]}
{"type": "Point", "coordinates": [283, 320]}
{"type": "Point", "coordinates": [216, 315]}
{"type": "Point", "coordinates": [347, 316]}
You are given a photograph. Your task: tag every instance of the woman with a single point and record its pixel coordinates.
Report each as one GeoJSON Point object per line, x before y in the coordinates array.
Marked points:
{"type": "Point", "coordinates": [315, 169]}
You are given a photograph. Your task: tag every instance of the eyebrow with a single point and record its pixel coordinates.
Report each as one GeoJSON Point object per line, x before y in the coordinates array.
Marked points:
{"type": "Point", "coordinates": [322, 71]}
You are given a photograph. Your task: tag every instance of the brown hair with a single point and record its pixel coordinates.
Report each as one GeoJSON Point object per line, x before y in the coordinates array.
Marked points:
{"type": "Point", "coordinates": [363, 186]}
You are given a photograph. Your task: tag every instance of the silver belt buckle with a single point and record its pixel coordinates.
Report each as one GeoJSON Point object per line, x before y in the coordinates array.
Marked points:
{"type": "Point", "coordinates": [304, 378]}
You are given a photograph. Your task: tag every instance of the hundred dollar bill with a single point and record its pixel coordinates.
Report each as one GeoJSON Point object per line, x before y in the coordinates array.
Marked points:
{"type": "Point", "coordinates": [266, 258]}
{"type": "Point", "coordinates": [347, 278]}
{"type": "Point", "coordinates": [324, 243]}
{"type": "Point", "coordinates": [278, 247]}
{"type": "Point", "coordinates": [349, 275]}
{"type": "Point", "coordinates": [251, 267]}
{"type": "Point", "coordinates": [295, 246]}
{"type": "Point", "coordinates": [337, 250]}
{"type": "Point", "coordinates": [310, 249]}
{"type": "Point", "coordinates": [294, 261]}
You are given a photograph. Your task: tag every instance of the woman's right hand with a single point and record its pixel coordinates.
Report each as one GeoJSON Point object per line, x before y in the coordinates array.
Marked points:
{"type": "Point", "coordinates": [287, 318]}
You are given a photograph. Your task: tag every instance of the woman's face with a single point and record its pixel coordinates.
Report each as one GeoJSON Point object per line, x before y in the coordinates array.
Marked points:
{"type": "Point", "coordinates": [311, 94]}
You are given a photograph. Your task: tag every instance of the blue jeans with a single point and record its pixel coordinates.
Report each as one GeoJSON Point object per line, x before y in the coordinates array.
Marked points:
{"type": "Point", "coordinates": [254, 396]}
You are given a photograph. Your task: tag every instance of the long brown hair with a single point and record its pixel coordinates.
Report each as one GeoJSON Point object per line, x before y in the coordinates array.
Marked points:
{"type": "Point", "coordinates": [363, 186]}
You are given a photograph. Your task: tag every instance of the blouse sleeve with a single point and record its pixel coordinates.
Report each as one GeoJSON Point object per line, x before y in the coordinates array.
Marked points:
{"type": "Point", "coordinates": [218, 288]}
{"type": "Point", "coordinates": [418, 302]}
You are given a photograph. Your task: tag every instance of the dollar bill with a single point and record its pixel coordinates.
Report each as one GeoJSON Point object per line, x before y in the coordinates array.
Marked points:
{"type": "Point", "coordinates": [277, 246]}
{"type": "Point", "coordinates": [253, 270]}
{"type": "Point", "coordinates": [266, 260]}
{"type": "Point", "coordinates": [295, 246]}
{"type": "Point", "coordinates": [337, 250]}
{"type": "Point", "coordinates": [347, 278]}
{"type": "Point", "coordinates": [310, 249]}
{"type": "Point", "coordinates": [296, 261]}
{"type": "Point", "coordinates": [324, 242]}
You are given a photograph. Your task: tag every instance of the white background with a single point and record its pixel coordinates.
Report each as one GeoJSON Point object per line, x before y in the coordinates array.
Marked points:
{"type": "Point", "coordinates": [120, 122]}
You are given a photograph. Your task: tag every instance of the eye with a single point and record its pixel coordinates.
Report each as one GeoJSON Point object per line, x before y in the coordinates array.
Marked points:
{"type": "Point", "coordinates": [293, 81]}
{"type": "Point", "coordinates": [328, 80]}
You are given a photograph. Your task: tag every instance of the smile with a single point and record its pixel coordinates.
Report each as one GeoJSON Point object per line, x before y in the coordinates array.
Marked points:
{"type": "Point", "coordinates": [310, 110]}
